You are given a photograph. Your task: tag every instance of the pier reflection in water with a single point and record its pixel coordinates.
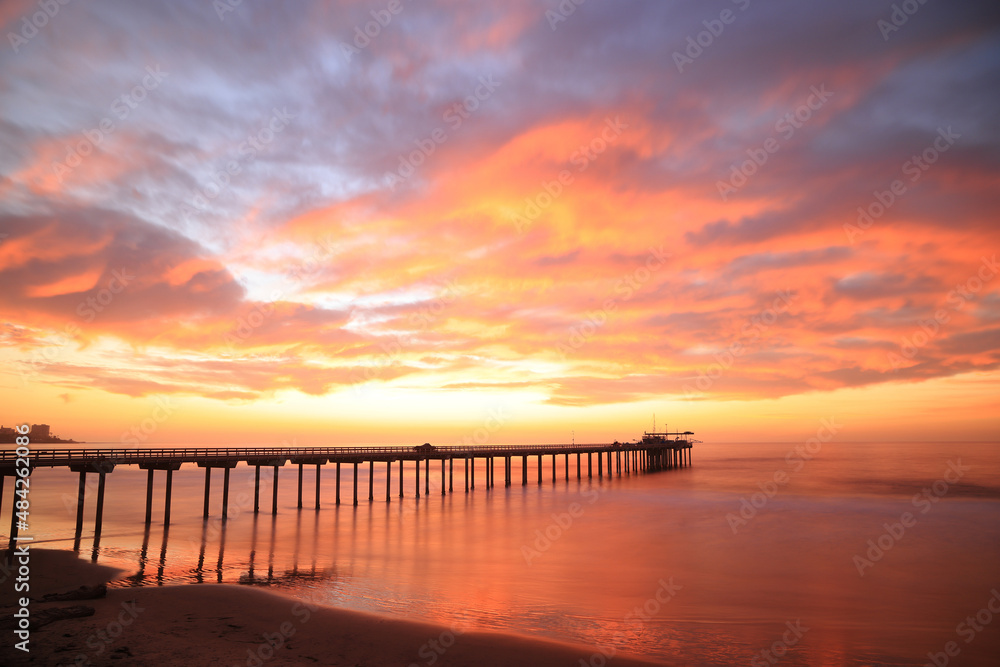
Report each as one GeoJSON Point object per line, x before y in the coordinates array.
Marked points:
{"type": "Point", "coordinates": [655, 452]}
{"type": "Point", "coordinates": [572, 559]}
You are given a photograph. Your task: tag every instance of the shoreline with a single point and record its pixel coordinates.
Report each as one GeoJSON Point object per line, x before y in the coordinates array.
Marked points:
{"type": "Point", "coordinates": [230, 624]}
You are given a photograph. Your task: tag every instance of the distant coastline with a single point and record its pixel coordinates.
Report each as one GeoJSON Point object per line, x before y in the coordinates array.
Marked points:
{"type": "Point", "coordinates": [7, 439]}
{"type": "Point", "coordinates": [39, 433]}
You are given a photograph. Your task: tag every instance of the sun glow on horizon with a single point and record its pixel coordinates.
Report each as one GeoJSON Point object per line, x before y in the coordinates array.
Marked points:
{"type": "Point", "coordinates": [554, 223]}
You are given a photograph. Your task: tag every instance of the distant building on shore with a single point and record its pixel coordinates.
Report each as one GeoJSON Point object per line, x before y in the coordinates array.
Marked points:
{"type": "Point", "coordinates": [39, 433]}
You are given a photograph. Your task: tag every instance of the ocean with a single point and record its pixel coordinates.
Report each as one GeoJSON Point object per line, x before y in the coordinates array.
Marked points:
{"type": "Point", "coordinates": [758, 554]}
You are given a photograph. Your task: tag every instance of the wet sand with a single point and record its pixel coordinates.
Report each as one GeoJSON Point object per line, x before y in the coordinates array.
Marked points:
{"type": "Point", "coordinates": [223, 624]}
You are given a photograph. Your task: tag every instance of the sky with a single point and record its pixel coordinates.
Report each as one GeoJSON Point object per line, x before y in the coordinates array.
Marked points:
{"type": "Point", "coordinates": [477, 222]}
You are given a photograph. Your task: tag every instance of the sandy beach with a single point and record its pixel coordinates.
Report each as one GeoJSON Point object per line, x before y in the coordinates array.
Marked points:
{"type": "Point", "coordinates": [221, 624]}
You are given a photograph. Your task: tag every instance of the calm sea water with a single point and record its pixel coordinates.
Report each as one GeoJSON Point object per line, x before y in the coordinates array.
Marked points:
{"type": "Point", "coordinates": [572, 560]}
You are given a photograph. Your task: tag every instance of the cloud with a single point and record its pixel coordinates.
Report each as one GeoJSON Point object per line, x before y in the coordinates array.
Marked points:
{"type": "Point", "coordinates": [197, 250]}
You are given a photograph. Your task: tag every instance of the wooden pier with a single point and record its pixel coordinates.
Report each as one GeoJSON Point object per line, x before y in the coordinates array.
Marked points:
{"type": "Point", "coordinates": [656, 452]}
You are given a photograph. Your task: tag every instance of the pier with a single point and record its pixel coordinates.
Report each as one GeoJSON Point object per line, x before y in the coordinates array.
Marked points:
{"type": "Point", "coordinates": [656, 452]}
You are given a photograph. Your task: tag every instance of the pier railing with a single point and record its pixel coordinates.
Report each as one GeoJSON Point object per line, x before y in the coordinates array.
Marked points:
{"type": "Point", "coordinates": [63, 456]}
{"type": "Point", "coordinates": [653, 454]}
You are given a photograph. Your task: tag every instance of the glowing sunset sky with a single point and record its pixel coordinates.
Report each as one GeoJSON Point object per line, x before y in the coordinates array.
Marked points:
{"type": "Point", "coordinates": [258, 224]}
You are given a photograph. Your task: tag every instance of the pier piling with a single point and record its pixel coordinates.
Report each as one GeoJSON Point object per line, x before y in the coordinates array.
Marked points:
{"type": "Point", "coordinates": [225, 493]}
{"type": "Point", "coordinates": [656, 452]}
{"type": "Point", "coordinates": [81, 493]}
{"type": "Point", "coordinates": [256, 489]}
{"type": "Point", "coordinates": [99, 520]}
{"type": "Point", "coordinates": [149, 496]}
{"type": "Point", "coordinates": [208, 486]}
{"type": "Point", "coordinates": [274, 492]}
{"type": "Point", "coordinates": [318, 468]}
{"type": "Point", "coordinates": [300, 486]}
{"type": "Point", "coordinates": [166, 503]}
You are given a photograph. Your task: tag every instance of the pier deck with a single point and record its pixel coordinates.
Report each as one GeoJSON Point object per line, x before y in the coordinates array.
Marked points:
{"type": "Point", "coordinates": [656, 452]}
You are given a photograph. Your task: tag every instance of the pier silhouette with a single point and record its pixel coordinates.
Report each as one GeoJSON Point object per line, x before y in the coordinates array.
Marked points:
{"type": "Point", "coordinates": [654, 453]}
